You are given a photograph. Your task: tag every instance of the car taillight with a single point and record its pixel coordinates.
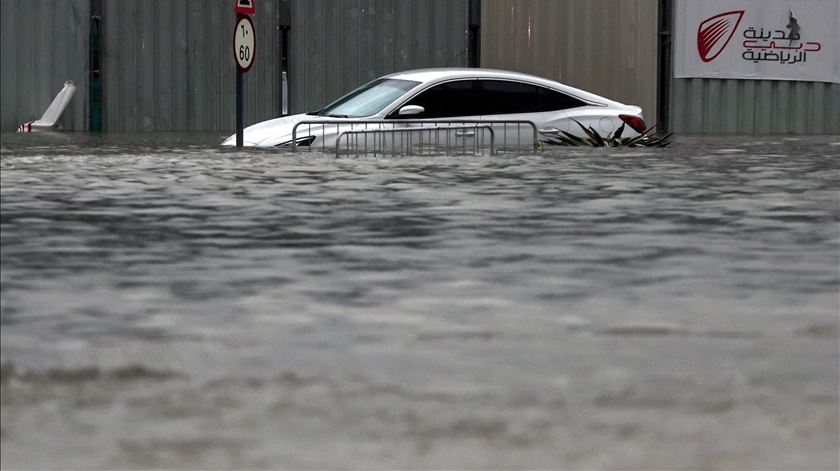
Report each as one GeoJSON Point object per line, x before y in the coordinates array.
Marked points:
{"type": "Point", "coordinates": [635, 122]}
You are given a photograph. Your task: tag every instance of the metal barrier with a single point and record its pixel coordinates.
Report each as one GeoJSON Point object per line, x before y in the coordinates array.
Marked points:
{"type": "Point", "coordinates": [415, 137]}
{"type": "Point", "coordinates": [402, 141]}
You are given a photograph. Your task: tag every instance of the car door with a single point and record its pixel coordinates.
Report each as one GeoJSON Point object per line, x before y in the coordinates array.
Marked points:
{"type": "Point", "coordinates": [510, 100]}
{"type": "Point", "coordinates": [453, 100]}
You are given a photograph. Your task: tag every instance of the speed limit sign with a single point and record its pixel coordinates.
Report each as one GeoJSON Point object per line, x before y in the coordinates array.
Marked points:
{"type": "Point", "coordinates": [244, 43]}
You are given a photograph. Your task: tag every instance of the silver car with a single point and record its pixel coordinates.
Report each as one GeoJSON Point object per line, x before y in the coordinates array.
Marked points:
{"type": "Point", "coordinates": [456, 94]}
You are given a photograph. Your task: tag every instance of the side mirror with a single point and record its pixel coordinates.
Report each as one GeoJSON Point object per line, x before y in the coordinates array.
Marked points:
{"type": "Point", "coordinates": [411, 110]}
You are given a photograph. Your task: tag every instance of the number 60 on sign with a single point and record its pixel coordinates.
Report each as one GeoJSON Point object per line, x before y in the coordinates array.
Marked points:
{"type": "Point", "coordinates": [244, 43]}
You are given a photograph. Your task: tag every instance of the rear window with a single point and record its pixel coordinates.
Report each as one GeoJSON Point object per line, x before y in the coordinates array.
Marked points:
{"type": "Point", "coordinates": [504, 97]}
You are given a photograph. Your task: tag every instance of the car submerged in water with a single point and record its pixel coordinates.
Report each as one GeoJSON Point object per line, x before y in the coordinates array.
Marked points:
{"type": "Point", "coordinates": [453, 94]}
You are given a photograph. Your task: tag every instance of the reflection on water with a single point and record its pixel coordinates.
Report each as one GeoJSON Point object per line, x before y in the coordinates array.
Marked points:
{"type": "Point", "coordinates": [169, 303]}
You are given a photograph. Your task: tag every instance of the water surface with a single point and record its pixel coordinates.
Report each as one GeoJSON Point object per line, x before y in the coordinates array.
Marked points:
{"type": "Point", "coordinates": [169, 303]}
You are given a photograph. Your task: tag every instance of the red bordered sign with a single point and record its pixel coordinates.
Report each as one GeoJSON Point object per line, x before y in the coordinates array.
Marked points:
{"type": "Point", "coordinates": [244, 43]}
{"type": "Point", "coordinates": [245, 7]}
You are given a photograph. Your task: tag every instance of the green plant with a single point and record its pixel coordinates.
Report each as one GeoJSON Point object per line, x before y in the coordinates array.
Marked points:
{"type": "Point", "coordinates": [593, 139]}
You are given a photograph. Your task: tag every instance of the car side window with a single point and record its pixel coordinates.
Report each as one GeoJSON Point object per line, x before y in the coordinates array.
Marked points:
{"type": "Point", "coordinates": [505, 97]}
{"type": "Point", "coordinates": [551, 100]}
{"type": "Point", "coordinates": [447, 100]}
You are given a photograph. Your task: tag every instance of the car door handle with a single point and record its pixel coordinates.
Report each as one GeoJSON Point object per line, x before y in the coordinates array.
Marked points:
{"type": "Point", "coordinates": [465, 133]}
{"type": "Point", "coordinates": [550, 131]}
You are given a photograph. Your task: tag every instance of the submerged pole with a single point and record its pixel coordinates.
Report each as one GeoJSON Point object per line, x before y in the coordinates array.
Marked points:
{"type": "Point", "coordinates": [239, 114]}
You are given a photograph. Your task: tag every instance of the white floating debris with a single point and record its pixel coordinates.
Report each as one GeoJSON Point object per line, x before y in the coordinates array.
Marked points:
{"type": "Point", "coordinates": [53, 112]}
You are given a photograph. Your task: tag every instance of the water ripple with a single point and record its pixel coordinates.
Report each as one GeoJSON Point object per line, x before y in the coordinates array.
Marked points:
{"type": "Point", "coordinates": [252, 309]}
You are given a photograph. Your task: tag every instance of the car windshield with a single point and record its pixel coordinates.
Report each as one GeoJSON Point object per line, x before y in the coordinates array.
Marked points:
{"type": "Point", "coordinates": [368, 99]}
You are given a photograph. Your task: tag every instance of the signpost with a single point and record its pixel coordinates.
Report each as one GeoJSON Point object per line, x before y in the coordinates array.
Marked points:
{"type": "Point", "coordinates": [244, 42]}
{"type": "Point", "coordinates": [244, 49]}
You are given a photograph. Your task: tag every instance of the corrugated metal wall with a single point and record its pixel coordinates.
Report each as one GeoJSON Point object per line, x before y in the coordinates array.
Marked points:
{"type": "Point", "coordinates": [44, 44]}
{"type": "Point", "coordinates": [337, 45]}
{"type": "Point", "coordinates": [712, 106]}
{"type": "Point", "coordinates": [168, 66]}
{"type": "Point", "coordinates": [606, 47]}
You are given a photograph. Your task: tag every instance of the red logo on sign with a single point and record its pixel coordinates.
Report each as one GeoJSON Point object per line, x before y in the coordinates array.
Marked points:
{"type": "Point", "coordinates": [714, 34]}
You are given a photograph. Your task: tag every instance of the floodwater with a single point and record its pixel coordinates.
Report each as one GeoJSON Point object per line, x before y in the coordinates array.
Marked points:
{"type": "Point", "coordinates": [168, 303]}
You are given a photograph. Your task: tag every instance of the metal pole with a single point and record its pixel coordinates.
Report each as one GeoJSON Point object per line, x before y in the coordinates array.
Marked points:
{"type": "Point", "coordinates": [664, 72]}
{"type": "Point", "coordinates": [95, 67]}
{"type": "Point", "coordinates": [285, 20]}
{"type": "Point", "coordinates": [239, 118]}
{"type": "Point", "coordinates": [474, 33]}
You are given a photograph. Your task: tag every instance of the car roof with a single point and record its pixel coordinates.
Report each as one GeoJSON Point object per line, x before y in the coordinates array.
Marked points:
{"type": "Point", "coordinates": [428, 76]}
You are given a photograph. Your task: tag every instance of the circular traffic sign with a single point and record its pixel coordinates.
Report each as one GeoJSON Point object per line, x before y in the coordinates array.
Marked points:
{"type": "Point", "coordinates": [244, 43]}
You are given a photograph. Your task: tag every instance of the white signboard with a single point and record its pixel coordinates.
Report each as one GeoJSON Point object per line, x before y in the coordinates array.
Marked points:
{"type": "Point", "coordinates": [758, 39]}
